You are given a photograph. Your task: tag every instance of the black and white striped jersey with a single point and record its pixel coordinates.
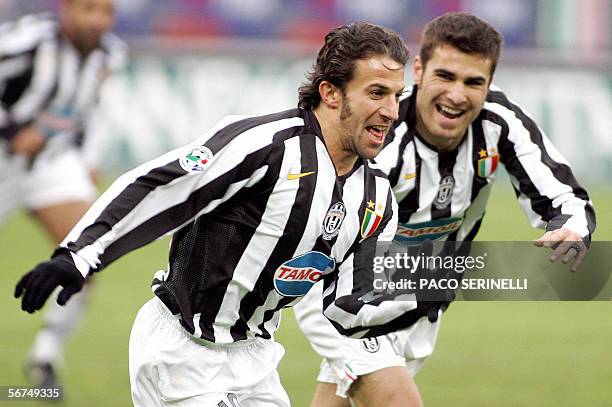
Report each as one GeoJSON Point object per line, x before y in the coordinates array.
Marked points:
{"type": "Point", "coordinates": [443, 195]}
{"type": "Point", "coordinates": [258, 215]}
{"type": "Point", "coordinates": [45, 80]}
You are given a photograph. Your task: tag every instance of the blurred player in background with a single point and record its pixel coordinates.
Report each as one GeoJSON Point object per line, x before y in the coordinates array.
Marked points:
{"type": "Point", "coordinates": [453, 131]}
{"type": "Point", "coordinates": [50, 74]}
{"type": "Point", "coordinates": [259, 208]}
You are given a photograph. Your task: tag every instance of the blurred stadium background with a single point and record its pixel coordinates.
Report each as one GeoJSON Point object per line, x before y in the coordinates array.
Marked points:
{"type": "Point", "coordinates": [194, 61]}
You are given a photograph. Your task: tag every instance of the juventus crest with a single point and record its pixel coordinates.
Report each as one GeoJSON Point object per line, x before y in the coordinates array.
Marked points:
{"type": "Point", "coordinates": [445, 192]}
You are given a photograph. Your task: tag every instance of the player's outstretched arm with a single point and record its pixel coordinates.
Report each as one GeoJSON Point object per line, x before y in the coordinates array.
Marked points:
{"type": "Point", "coordinates": [37, 285]}
{"type": "Point", "coordinates": [547, 189]}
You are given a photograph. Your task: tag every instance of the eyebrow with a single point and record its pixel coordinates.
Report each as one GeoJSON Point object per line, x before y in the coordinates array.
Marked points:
{"type": "Point", "coordinates": [472, 79]}
{"type": "Point", "coordinates": [384, 87]}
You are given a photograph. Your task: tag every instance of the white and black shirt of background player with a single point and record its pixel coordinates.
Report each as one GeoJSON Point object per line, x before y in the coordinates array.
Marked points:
{"type": "Point", "coordinates": [443, 195]}
{"type": "Point", "coordinates": [44, 79]}
{"type": "Point", "coordinates": [253, 206]}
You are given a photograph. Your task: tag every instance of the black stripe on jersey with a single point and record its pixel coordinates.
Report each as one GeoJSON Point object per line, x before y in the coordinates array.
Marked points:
{"type": "Point", "coordinates": [14, 87]}
{"type": "Point", "coordinates": [229, 132]}
{"type": "Point", "coordinates": [540, 204]}
{"type": "Point", "coordinates": [472, 234]}
{"type": "Point", "coordinates": [446, 163]}
{"type": "Point", "coordinates": [479, 143]}
{"type": "Point", "coordinates": [283, 251]}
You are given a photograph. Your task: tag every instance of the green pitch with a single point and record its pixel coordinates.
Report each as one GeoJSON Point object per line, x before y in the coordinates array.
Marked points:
{"type": "Point", "coordinates": [501, 354]}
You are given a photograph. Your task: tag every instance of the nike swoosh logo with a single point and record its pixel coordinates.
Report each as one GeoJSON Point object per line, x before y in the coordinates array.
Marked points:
{"type": "Point", "coordinates": [410, 175]}
{"type": "Point", "coordinates": [300, 175]}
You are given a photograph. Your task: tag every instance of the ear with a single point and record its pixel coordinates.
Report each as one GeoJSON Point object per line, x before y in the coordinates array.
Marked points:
{"type": "Point", "coordinates": [417, 70]}
{"type": "Point", "coordinates": [330, 94]}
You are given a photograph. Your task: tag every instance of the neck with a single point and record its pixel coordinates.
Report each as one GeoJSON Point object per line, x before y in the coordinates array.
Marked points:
{"type": "Point", "coordinates": [342, 158]}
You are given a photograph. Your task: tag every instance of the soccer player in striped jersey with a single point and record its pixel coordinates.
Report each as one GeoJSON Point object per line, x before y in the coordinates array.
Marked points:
{"type": "Point", "coordinates": [259, 209]}
{"type": "Point", "coordinates": [453, 132]}
{"type": "Point", "coordinates": [50, 74]}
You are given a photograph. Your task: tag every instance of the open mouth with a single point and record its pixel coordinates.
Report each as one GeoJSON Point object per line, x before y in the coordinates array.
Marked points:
{"type": "Point", "coordinates": [449, 112]}
{"type": "Point", "coordinates": [378, 132]}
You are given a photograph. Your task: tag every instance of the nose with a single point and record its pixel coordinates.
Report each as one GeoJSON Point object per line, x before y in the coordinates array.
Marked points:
{"type": "Point", "coordinates": [390, 108]}
{"type": "Point", "coordinates": [456, 93]}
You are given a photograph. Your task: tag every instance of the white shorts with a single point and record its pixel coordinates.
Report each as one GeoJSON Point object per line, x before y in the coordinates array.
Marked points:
{"type": "Point", "coordinates": [52, 180]}
{"type": "Point", "coordinates": [169, 367]}
{"type": "Point", "coordinates": [345, 359]}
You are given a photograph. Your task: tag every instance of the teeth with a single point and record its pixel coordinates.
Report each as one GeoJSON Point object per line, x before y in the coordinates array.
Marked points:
{"type": "Point", "coordinates": [450, 110]}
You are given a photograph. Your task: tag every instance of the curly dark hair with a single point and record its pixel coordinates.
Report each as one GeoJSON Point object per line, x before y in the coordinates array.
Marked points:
{"type": "Point", "coordinates": [464, 31]}
{"type": "Point", "coordinates": [343, 46]}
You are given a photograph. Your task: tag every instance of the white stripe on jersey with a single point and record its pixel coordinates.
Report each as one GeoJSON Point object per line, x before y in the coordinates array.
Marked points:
{"type": "Point", "coordinates": [474, 212]}
{"type": "Point", "coordinates": [389, 156]}
{"type": "Point", "coordinates": [463, 174]}
{"type": "Point", "coordinates": [388, 232]}
{"type": "Point", "coordinates": [429, 177]}
{"type": "Point", "coordinates": [196, 323]}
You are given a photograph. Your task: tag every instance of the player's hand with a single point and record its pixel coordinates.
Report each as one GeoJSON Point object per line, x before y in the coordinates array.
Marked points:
{"type": "Point", "coordinates": [566, 245]}
{"type": "Point", "coordinates": [28, 142]}
{"type": "Point", "coordinates": [38, 284]}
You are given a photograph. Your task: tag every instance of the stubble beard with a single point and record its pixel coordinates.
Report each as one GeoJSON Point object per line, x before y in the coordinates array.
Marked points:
{"type": "Point", "coordinates": [347, 132]}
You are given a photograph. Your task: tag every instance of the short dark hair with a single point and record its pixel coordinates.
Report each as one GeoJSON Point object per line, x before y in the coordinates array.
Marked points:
{"type": "Point", "coordinates": [343, 46]}
{"type": "Point", "coordinates": [464, 31]}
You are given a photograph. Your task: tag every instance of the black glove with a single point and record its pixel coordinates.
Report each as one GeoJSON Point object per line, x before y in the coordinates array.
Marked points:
{"type": "Point", "coordinates": [39, 283]}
